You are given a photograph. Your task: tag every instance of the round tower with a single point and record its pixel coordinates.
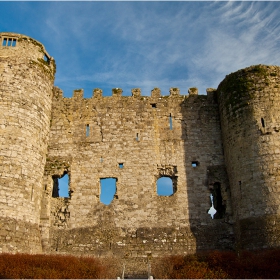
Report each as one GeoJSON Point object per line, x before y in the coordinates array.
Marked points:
{"type": "Point", "coordinates": [26, 84]}
{"type": "Point", "coordinates": [249, 103]}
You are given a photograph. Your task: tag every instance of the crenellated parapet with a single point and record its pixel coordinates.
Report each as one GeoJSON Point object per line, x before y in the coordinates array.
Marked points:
{"type": "Point", "coordinates": [135, 93]}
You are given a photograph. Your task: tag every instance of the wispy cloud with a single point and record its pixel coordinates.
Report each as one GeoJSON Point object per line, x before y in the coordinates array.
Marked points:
{"type": "Point", "coordinates": [149, 44]}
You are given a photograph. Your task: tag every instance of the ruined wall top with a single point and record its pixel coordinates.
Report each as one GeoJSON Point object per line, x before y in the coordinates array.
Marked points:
{"type": "Point", "coordinates": [135, 92]}
{"type": "Point", "coordinates": [25, 48]}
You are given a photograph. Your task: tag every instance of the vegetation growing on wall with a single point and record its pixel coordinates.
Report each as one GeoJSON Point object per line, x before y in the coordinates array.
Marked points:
{"type": "Point", "coordinates": [239, 88]}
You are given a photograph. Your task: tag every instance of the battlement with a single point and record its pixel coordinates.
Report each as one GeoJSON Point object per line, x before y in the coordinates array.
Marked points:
{"type": "Point", "coordinates": [135, 92]}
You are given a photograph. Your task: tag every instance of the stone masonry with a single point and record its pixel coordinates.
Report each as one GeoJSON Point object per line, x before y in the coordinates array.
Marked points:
{"type": "Point", "coordinates": [224, 143]}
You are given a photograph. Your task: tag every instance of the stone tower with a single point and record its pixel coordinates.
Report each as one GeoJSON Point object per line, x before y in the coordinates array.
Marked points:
{"type": "Point", "coordinates": [26, 86]}
{"type": "Point", "coordinates": [249, 108]}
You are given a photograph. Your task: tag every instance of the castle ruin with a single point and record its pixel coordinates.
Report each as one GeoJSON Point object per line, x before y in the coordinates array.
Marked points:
{"type": "Point", "coordinates": [224, 143]}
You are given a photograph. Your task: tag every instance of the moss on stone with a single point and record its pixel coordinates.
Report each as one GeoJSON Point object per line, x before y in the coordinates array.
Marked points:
{"type": "Point", "coordinates": [238, 88]}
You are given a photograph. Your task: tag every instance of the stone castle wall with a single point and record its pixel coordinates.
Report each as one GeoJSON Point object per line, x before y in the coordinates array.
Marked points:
{"type": "Point", "coordinates": [26, 82]}
{"type": "Point", "coordinates": [249, 104]}
{"type": "Point", "coordinates": [224, 143]}
{"type": "Point", "coordinates": [135, 131]}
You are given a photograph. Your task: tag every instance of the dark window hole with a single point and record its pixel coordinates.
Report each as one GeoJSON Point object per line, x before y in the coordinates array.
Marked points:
{"type": "Point", "coordinates": [195, 163]}
{"type": "Point", "coordinates": [263, 124]}
{"type": "Point", "coordinates": [217, 201]}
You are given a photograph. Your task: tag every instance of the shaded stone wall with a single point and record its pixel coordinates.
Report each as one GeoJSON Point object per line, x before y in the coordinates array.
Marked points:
{"type": "Point", "coordinates": [135, 131]}
{"type": "Point", "coordinates": [26, 82]}
{"type": "Point", "coordinates": [249, 105]}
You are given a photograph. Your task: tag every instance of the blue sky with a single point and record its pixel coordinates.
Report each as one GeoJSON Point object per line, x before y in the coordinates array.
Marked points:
{"type": "Point", "coordinates": [148, 44]}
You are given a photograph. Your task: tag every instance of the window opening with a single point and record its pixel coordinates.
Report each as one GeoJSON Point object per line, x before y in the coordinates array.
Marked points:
{"type": "Point", "coordinates": [32, 192]}
{"type": "Point", "coordinates": [154, 105]}
{"type": "Point", "coordinates": [137, 136]}
{"type": "Point", "coordinates": [87, 130]}
{"type": "Point", "coordinates": [101, 159]}
{"type": "Point", "coordinates": [195, 163]}
{"type": "Point", "coordinates": [14, 43]}
{"type": "Point", "coordinates": [165, 186]}
{"type": "Point", "coordinates": [46, 58]}
{"type": "Point", "coordinates": [217, 201]}
{"type": "Point", "coordinates": [61, 186]}
{"type": "Point", "coordinates": [4, 43]}
{"type": "Point", "coordinates": [108, 190]}
{"type": "Point", "coordinates": [120, 165]}
{"type": "Point", "coordinates": [10, 42]}
{"type": "Point", "coordinates": [170, 122]}
{"type": "Point", "coordinates": [212, 211]}
{"type": "Point", "coordinates": [262, 120]}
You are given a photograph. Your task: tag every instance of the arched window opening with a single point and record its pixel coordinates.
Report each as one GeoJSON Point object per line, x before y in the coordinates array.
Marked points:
{"type": "Point", "coordinates": [217, 201]}
{"type": "Point", "coordinates": [60, 186]}
{"type": "Point", "coordinates": [108, 189]}
{"type": "Point", "coordinates": [165, 186]}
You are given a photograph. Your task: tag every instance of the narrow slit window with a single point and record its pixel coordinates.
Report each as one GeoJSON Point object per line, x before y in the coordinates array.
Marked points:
{"type": "Point", "coordinates": [32, 193]}
{"type": "Point", "coordinates": [137, 136]}
{"type": "Point", "coordinates": [121, 165]}
{"type": "Point", "coordinates": [263, 124]}
{"type": "Point", "coordinates": [170, 121]}
{"type": "Point", "coordinates": [108, 190]}
{"type": "Point", "coordinates": [217, 201]}
{"type": "Point", "coordinates": [87, 130]}
{"type": "Point", "coordinates": [165, 186]}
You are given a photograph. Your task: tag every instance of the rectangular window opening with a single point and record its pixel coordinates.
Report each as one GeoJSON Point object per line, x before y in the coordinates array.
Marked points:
{"type": "Point", "coordinates": [87, 130]}
{"type": "Point", "coordinates": [137, 136]}
{"type": "Point", "coordinates": [10, 42]}
{"type": "Point", "coordinates": [154, 105]}
{"type": "Point", "coordinates": [108, 189]}
{"type": "Point", "coordinates": [262, 121]}
{"type": "Point", "coordinates": [170, 121]}
{"type": "Point", "coordinates": [195, 163]}
{"type": "Point", "coordinates": [61, 186]}
{"type": "Point", "coordinates": [121, 165]}
{"type": "Point", "coordinates": [4, 43]}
